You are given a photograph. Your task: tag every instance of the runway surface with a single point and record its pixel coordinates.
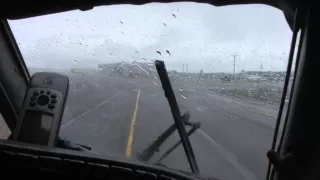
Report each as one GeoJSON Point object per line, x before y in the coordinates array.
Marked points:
{"type": "Point", "coordinates": [123, 115]}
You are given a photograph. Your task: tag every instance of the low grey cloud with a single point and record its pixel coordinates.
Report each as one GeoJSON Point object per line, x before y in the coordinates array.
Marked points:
{"type": "Point", "coordinates": [200, 35]}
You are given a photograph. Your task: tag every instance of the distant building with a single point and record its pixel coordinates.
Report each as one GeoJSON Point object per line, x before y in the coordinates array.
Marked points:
{"type": "Point", "coordinates": [128, 69]}
{"type": "Point", "coordinates": [81, 70]}
{"type": "Point", "coordinates": [263, 75]}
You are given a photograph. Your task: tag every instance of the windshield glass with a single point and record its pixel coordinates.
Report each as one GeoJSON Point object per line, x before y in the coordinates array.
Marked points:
{"type": "Point", "coordinates": [226, 65]}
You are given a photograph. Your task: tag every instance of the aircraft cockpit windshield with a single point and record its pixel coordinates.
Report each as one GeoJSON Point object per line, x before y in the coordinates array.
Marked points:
{"type": "Point", "coordinates": [226, 65]}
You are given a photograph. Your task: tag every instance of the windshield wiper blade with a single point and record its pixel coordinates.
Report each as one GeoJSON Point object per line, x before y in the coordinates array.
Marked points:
{"type": "Point", "coordinates": [175, 111]}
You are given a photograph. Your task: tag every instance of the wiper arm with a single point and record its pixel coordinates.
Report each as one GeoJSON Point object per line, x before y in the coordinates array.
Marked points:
{"type": "Point", "coordinates": [195, 126]}
{"type": "Point", "coordinates": [175, 111]}
{"type": "Point", "coordinates": [146, 154]}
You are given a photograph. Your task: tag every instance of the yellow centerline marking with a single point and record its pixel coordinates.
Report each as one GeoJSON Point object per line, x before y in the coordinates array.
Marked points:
{"type": "Point", "coordinates": [132, 127]}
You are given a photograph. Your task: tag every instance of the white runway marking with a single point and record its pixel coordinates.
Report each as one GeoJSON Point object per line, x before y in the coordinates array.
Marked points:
{"type": "Point", "coordinates": [201, 108]}
{"type": "Point", "coordinates": [184, 97]}
{"type": "Point", "coordinates": [90, 110]}
{"type": "Point", "coordinates": [247, 174]}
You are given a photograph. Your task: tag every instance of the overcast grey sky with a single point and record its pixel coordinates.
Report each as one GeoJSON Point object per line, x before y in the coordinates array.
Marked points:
{"type": "Point", "coordinates": [200, 35]}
